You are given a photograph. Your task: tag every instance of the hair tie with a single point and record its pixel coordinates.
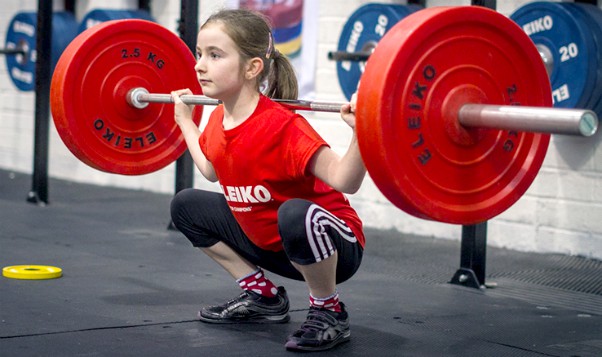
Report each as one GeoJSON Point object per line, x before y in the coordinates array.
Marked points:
{"type": "Point", "coordinates": [268, 52]}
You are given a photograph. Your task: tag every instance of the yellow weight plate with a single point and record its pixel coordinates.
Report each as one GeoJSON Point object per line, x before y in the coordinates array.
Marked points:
{"type": "Point", "coordinates": [32, 272]}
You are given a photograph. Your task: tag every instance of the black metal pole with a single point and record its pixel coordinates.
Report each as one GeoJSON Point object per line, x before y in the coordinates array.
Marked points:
{"type": "Point", "coordinates": [593, 2]}
{"type": "Point", "coordinates": [188, 28]}
{"type": "Point", "coordinates": [473, 255]}
{"type": "Point", "coordinates": [39, 190]}
{"type": "Point", "coordinates": [144, 5]}
{"type": "Point", "coordinates": [70, 6]}
{"type": "Point", "coordinates": [417, 2]}
{"type": "Point", "coordinates": [485, 3]}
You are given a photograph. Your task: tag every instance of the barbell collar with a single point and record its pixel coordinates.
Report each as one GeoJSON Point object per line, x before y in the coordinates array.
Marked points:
{"type": "Point", "coordinates": [580, 122]}
{"type": "Point", "coordinates": [361, 56]}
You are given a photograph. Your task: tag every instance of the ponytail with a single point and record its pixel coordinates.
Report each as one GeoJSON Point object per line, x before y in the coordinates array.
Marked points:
{"type": "Point", "coordinates": [282, 80]}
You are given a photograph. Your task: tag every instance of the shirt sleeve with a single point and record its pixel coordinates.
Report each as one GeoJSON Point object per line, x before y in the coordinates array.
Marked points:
{"type": "Point", "coordinates": [303, 142]}
{"type": "Point", "coordinates": [217, 114]}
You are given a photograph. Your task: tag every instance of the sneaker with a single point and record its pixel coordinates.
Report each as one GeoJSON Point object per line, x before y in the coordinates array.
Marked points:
{"type": "Point", "coordinates": [323, 329]}
{"type": "Point", "coordinates": [249, 307]}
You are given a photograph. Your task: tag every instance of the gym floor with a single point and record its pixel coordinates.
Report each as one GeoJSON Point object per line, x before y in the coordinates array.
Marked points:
{"type": "Point", "coordinates": [131, 287]}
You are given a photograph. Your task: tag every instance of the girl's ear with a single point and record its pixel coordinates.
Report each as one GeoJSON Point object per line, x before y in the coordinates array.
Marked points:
{"type": "Point", "coordinates": [253, 68]}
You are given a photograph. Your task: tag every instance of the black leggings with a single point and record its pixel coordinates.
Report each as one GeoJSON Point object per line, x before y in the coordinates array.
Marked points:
{"type": "Point", "coordinates": [309, 233]}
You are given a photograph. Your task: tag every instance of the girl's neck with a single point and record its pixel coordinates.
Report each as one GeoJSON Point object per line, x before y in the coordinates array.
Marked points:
{"type": "Point", "coordinates": [239, 108]}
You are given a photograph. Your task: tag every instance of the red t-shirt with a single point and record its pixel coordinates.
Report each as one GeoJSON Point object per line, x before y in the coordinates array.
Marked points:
{"type": "Point", "coordinates": [262, 163]}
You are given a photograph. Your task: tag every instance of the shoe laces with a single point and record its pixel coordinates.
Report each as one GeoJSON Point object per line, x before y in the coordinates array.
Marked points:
{"type": "Point", "coordinates": [239, 298]}
{"type": "Point", "coordinates": [318, 320]}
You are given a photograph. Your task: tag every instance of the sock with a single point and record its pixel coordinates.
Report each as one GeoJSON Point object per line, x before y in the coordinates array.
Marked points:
{"type": "Point", "coordinates": [330, 302]}
{"type": "Point", "coordinates": [258, 283]}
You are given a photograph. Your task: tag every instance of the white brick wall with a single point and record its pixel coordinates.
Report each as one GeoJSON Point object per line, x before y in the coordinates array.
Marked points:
{"type": "Point", "coordinates": [560, 212]}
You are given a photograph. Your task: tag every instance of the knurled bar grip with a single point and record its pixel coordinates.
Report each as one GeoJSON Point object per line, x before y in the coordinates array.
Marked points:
{"type": "Point", "coordinates": [579, 122]}
{"type": "Point", "coordinates": [140, 97]}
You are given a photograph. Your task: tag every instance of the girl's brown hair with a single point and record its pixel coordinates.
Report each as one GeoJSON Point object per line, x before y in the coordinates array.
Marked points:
{"type": "Point", "coordinates": [251, 32]}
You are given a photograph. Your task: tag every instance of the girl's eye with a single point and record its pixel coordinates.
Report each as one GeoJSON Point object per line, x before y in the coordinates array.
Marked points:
{"type": "Point", "coordinates": [214, 55]}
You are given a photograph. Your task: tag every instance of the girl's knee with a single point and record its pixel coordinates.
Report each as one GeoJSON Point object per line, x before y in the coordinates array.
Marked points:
{"type": "Point", "coordinates": [179, 203]}
{"type": "Point", "coordinates": [292, 212]}
{"type": "Point", "coordinates": [292, 216]}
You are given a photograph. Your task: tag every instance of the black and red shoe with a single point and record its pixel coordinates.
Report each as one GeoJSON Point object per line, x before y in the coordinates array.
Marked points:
{"type": "Point", "coordinates": [249, 307]}
{"type": "Point", "coordinates": [323, 329]}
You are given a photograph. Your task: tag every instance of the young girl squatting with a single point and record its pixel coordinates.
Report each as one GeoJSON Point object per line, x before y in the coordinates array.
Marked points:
{"type": "Point", "coordinates": [283, 207]}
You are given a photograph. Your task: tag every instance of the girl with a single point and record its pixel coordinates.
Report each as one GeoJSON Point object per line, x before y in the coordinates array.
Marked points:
{"type": "Point", "coordinates": [282, 207]}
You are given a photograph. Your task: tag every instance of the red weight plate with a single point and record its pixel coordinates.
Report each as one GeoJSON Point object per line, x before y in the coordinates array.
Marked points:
{"type": "Point", "coordinates": [422, 71]}
{"type": "Point", "coordinates": [89, 88]}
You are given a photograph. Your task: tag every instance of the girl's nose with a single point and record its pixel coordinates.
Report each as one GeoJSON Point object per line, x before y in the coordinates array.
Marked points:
{"type": "Point", "coordinates": [199, 66]}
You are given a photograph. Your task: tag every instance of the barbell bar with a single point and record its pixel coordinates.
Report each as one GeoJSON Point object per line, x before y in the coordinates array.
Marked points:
{"type": "Point", "coordinates": [363, 56]}
{"type": "Point", "coordinates": [532, 119]}
{"type": "Point", "coordinates": [12, 51]}
{"type": "Point", "coordinates": [359, 56]}
{"type": "Point", "coordinates": [432, 88]}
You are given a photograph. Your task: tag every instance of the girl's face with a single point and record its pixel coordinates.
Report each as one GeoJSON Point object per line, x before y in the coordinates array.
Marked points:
{"type": "Point", "coordinates": [218, 65]}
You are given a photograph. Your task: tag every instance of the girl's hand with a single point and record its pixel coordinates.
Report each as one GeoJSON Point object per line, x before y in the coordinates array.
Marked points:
{"type": "Point", "coordinates": [348, 111]}
{"type": "Point", "coordinates": [182, 112]}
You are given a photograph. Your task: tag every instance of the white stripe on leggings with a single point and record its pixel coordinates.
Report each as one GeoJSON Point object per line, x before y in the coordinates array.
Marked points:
{"type": "Point", "coordinates": [315, 222]}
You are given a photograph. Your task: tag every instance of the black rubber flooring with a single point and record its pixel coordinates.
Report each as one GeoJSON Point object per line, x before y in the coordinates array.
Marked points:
{"type": "Point", "coordinates": [131, 287]}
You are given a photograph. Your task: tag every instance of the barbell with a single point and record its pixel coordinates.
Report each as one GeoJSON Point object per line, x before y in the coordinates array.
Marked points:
{"type": "Point", "coordinates": [453, 110]}
{"type": "Point", "coordinates": [531, 119]}
{"type": "Point", "coordinates": [20, 45]}
{"type": "Point", "coordinates": [359, 37]}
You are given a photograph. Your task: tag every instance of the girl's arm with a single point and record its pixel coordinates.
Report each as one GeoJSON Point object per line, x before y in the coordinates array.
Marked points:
{"type": "Point", "coordinates": [343, 173]}
{"type": "Point", "coordinates": [191, 132]}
